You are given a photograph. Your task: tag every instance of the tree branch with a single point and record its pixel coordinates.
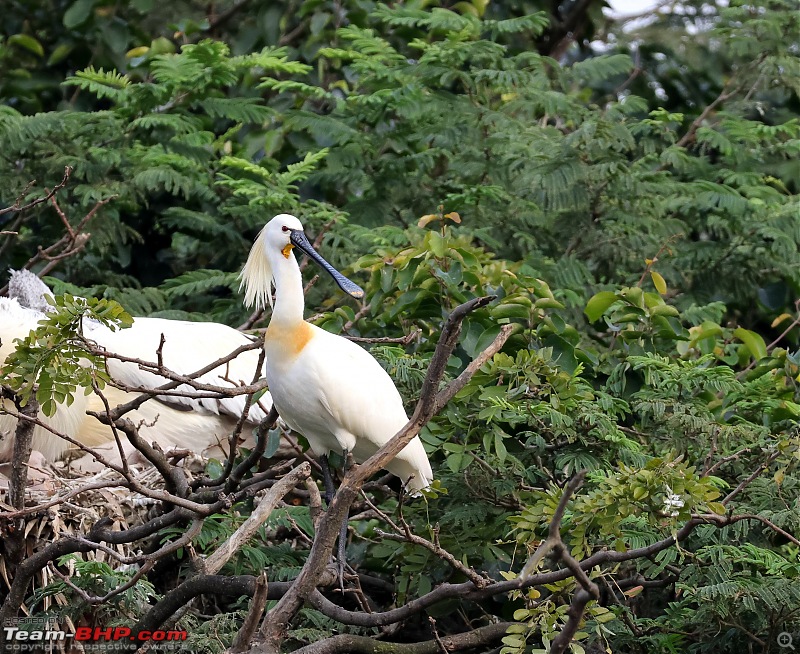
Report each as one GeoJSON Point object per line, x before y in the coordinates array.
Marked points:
{"type": "Point", "coordinates": [17, 206]}
{"type": "Point", "coordinates": [746, 482]}
{"type": "Point", "coordinates": [204, 585]}
{"type": "Point", "coordinates": [23, 438]}
{"type": "Point", "coordinates": [266, 506]}
{"type": "Point", "coordinates": [245, 634]}
{"type": "Point", "coordinates": [365, 645]}
{"type": "Point", "coordinates": [38, 560]}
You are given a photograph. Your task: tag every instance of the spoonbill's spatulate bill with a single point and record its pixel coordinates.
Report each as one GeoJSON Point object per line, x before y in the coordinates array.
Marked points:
{"type": "Point", "coordinates": [324, 386]}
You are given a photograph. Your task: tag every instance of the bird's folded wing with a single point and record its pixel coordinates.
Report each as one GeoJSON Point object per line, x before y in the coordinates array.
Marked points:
{"type": "Point", "coordinates": [188, 347]}
{"type": "Point", "coordinates": [358, 394]}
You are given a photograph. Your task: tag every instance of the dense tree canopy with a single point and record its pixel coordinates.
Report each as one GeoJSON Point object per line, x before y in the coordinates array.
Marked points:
{"type": "Point", "coordinates": [625, 191]}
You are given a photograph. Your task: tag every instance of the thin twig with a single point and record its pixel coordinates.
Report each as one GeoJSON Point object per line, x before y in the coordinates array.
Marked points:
{"type": "Point", "coordinates": [33, 203]}
{"type": "Point", "coordinates": [756, 473]}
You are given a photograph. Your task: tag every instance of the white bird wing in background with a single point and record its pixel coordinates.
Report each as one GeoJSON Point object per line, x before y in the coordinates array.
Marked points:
{"type": "Point", "coordinates": [188, 347]}
{"type": "Point", "coordinates": [197, 424]}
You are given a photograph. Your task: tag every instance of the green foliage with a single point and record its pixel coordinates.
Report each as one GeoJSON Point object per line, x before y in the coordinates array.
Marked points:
{"type": "Point", "coordinates": [665, 493]}
{"type": "Point", "coordinates": [52, 363]}
{"type": "Point", "coordinates": [547, 617]}
{"type": "Point", "coordinates": [630, 201]}
{"type": "Point", "coordinates": [95, 579]}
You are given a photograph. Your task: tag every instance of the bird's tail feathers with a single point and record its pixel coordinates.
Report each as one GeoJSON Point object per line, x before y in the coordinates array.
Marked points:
{"type": "Point", "coordinates": [256, 276]}
{"type": "Point", "coordinates": [413, 468]}
{"type": "Point", "coordinates": [416, 483]}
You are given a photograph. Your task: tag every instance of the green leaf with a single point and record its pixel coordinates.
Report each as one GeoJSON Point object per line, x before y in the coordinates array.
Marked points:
{"type": "Point", "coordinates": [658, 282]}
{"type": "Point", "coordinates": [548, 303]}
{"type": "Point", "coordinates": [514, 641]}
{"type": "Point", "coordinates": [754, 342]}
{"type": "Point", "coordinates": [319, 21]}
{"type": "Point", "coordinates": [706, 330]}
{"type": "Point", "coordinates": [273, 443]}
{"type": "Point", "coordinates": [214, 468]}
{"type": "Point", "coordinates": [510, 311]}
{"type": "Point", "coordinates": [78, 13]}
{"type": "Point", "coordinates": [60, 52]}
{"type": "Point", "coordinates": [28, 42]}
{"type": "Point", "coordinates": [664, 310]}
{"type": "Point", "coordinates": [598, 304]}
{"type": "Point", "coordinates": [454, 461]}
{"type": "Point", "coordinates": [438, 244]}
{"type": "Point", "coordinates": [500, 448]}
{"type": "Point", "coordinates": [486, 338]}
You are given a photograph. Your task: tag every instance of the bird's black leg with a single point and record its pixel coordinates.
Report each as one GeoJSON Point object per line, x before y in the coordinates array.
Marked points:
{"type": "Point", "coordinates": [327, 478]}
{"type": "Point", "coordinates": [341, 557]}
{"type": "Point", "coordinates": [341, 553]}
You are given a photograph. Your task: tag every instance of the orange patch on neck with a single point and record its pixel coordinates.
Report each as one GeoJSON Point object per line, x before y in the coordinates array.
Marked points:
{"type": "Point", "coordinates": [291, 340]}
{"type": "Point", "coordinates": [287, 250]}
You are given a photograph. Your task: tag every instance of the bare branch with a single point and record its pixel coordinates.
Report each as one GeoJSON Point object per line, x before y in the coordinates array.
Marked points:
{"type": "Point", "coordinates": [38, 560]}
{"type": "Point", "coordinates": [248, 629]}
{"type": "Point", "coordinates": [554, 531]}
{"type": "Point", "coordinates": [724, 520]}
{"type": "Point", "coordinates": [61, 499]}
{"type": "Point", "coordinates": [17, 206]}
{"type": "Point", "coordinates": [362, 311]}
{"type": "Point", "coordinates": [72, 441]}
{"type": "Point", "coordinates": [264, 427]}
{"type": "Point", "coordinates": [210, 390]}
{"type": "Point", "coordinates": [148, 562]}
{"type": "Point", "coordinates": [400, 340]}
{"type": "Point", "coordinates": [574, 618]}
{"type": "Point", "coordinates": [724, 95]}
{"type": "Point", "coordinates": [756, 473]}
{"type": "Point", "coordinates": [204, 585]}
{"type": "Point", "coordinates": [234, 437]}
{"type": "Point", "coordinates": [266, 506]}
{"type": "Point", "coordinates": [450, 391]}
{"type": "Point", "coordinates": [479, 580]}
{"type": "Point", "coordinates": [347, 643]}
{"type": "Point", "coordinates": [72, 242]}
{"type": "Point", "coordinates": [314, 501]}
{"type": "Point", "coordinates": [23, 438]}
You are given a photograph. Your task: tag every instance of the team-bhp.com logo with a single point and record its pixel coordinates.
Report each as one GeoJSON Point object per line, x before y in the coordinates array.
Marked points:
{"type": "Point", "coordinates": [31, 635]}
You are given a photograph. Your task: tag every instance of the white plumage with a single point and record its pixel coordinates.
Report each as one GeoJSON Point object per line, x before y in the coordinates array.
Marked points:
{"type": "Point", "coordinates": [325, 387]}
{"type": "Point", "coordinates": [197, 424]}
{"type": "Point", "coordinates": [16, 322]}
{"type": "Point", "coordinates": [188, 346]}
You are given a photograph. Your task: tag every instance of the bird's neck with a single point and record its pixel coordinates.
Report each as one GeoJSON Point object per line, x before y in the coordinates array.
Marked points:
{"type": "Point", "coordinates": [289, 300]}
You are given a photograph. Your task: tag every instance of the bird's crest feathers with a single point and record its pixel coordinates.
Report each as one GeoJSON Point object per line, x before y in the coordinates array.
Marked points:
{"type": "Point", "coordinates": [256, 276]}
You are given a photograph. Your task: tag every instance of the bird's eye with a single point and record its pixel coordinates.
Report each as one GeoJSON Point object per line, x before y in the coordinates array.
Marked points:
{"type": "Point", "coordinates": [285, 228]}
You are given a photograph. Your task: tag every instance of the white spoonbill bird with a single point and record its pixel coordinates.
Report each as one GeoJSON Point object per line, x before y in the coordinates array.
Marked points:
{"type": "Point", "coordinates": [324, 386]}
{"type": "Point", "coordinates": [196, 424]}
